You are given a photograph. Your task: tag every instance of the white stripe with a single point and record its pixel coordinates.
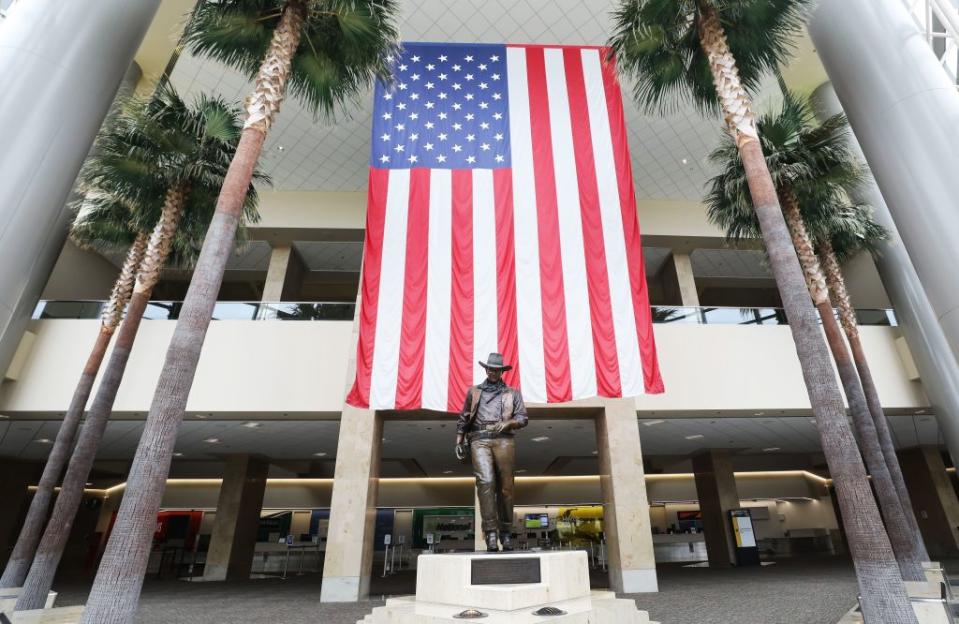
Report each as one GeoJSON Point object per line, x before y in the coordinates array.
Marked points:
{"type": "Point", "coordinates": [529, 310]}
{"type": "Point", "coordinates": [485, 303]}
{"type": "Point", "coordinates": [617, 267]}
{"type": "Point", "coordinates": [579, 327]}
{"type": "Point", "coordinates": [389, 313]}
{"type": "Point", "coordinates": [436, 359]}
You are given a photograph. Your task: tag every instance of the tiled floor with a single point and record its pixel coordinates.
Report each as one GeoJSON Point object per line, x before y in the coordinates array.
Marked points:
{"type": "Point", "coordinates": [794, 591]}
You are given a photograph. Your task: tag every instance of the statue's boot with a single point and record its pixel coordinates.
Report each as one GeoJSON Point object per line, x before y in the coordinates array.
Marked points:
{"type": "Point", "coordinates": [491, 544]}
{"type": "Point", "coordinates": [507, 541]}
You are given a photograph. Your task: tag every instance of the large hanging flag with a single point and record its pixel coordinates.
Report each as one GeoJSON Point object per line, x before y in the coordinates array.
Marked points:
{"type": "Point", "coordinates": [501, 217]}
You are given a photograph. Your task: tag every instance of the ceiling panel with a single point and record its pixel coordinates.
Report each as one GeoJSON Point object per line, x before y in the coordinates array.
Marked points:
{"type": "Point", "coordinates": [303, 153]}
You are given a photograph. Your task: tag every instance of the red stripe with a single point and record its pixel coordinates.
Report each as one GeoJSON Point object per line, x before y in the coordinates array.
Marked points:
{"type": "Point", "coordinates": [409, 383]}
{"type": "Point", "coordinates": [359, 395]}
{"type": "Point", "coordinates": [461, 300]}
{"type": "Point", "coordinates": [506, 273]}
{"type": "Point", "coordinates": [597, 280]}
{"type": "Point", "coordinates": [555, 340]}
{"type": "Point", "coordinates": [634, 253]}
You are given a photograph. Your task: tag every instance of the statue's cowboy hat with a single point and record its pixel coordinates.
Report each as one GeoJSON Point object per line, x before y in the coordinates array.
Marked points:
{"type": "Point", "coordinates": [495, 362]}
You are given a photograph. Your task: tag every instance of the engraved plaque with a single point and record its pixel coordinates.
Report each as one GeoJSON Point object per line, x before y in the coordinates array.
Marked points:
{"type": "Point", "coordinates": [505, 571]}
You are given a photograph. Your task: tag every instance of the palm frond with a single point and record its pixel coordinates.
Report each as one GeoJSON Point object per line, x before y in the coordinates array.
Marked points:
{"type": "Point", "coordinates": [345, 44]}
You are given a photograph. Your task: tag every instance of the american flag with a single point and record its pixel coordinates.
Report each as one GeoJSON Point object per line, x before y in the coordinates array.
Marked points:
{"type": "Point", "coordinates": [501, 217]}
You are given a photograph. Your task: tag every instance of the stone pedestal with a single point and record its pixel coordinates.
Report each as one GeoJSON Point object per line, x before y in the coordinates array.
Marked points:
{"type": "Point", "coordinates": [508, 588]}
{"type": "Point", "coordinates": [9, 595]}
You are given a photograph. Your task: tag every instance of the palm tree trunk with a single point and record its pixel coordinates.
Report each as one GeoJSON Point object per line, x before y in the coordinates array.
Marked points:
{"type": "Point", "coordinates": [40, 577]}
{"type": "Point", "coordinates": [897, 528]}
{"type": "Point", "coordinates": [883, 592]}
{"type": "Point", "coordinates": [116, 589]}
{"type": "Point", "coordinates": [23, 551]}
{"type": "Point", "coordinates": [837, 284]}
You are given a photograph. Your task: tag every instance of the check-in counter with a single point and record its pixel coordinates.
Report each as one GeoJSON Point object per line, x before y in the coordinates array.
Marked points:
{"type": "Point", "coordinates": [679, 547]}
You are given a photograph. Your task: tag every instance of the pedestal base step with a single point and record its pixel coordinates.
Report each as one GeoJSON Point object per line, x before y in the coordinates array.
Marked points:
{"type": "Point", "coordinates": [9, 595]}
{"type": "Point", "coordinates": [59, 615]}
{"type": "Point", "coordinates": [599, 607]}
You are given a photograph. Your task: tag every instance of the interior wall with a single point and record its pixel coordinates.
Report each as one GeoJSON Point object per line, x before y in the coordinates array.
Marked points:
{"type": "Point", "coordinates": [80, 275]}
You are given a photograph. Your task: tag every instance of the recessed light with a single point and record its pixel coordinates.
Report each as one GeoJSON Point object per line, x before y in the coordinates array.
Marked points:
{"type": "Point", "coordinates": [650, 423]}
{"type": "Point", "coordinates": [320, 454]}
{"type": "Point", "coordinates": [684, 160]}
{"type": "Point", "coordinates": [384, 440]}
{"type": "Point", "coordinates": [770, 449]}
{"type": "Point", "coordinates": [252, 425]}
{"type": "Point", "coordinates": [447, 472]}
{"type": "Point", "coordinates": [540, 438]}
{"type": "Point", "coordinates": [178, 454]}
{"type": "Point", "coordinates": [759, 414]}
{"type": "Point", "coordinates": [88, 484]}
{"type": "Point", "coordinates": [280, 148]}
{"type": "Point", "coordinates": [920, 411]}
{"type": "Point", "coordinates": [694, 437]}
{"type": "Point", "coordinates": [595, 452]}
{"type": "Point", "coordinates": [520, 471]}
{"type": "Point", "coordinates": [201, 416]}
{"type": "Point", "coordinates": [212, 440]}
{"type": "Point", "coordinates": [4, 416]}
{"type": "Point", "coordinates": [43, 441]}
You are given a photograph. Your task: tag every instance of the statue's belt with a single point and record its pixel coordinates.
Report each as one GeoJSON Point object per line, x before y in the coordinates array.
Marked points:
{"type": "Point", "coordinates": [486, 435]}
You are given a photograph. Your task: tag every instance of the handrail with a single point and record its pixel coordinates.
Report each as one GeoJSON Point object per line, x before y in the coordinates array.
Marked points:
{"type": "Point", "coordinates": [344, 311]}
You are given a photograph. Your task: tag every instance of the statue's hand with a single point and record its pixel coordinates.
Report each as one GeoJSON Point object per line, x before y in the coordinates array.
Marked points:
{"type": "Point", "coordinates": [503, 425]}
{"type": "Point", "coordinates": [460, 451]}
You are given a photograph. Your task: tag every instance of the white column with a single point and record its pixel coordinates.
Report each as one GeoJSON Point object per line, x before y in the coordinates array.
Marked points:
{"type": "Point", "coordinates": [905, 112]}
{"type": "Point", "coordinates": [53, 102]}
{"type": "Point", "coordinates": [629, 538]}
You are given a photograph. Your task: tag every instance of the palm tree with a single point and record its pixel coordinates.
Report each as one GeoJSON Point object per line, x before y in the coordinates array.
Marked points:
{"type": "Point", "coordinates": [713, 53]}
{"type": "Point", "coordinates": [811, 167]}
{"type": "Point", "coordinates": [166, 160]}
{"type": "Point", "coordinates": [101, 227]}
{"type": "Point", "coordinates": [842, 237]}
{"type": "Point", "coordinates": [326, 51]}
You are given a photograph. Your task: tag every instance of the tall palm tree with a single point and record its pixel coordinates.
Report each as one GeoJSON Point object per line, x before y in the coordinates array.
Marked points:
{"type": "Point", "coordinates": [713, 53]}
{"type": "Point", "coordinates": [838, 239]}
{"type": "Point", "coordinates": [166, 159]}
{"type": "Point", "coordinates": [101, 227]}
{"type": "Point", "coordinates": [811, 168]}
{"type": "Point", "coordinates": [325, 51]}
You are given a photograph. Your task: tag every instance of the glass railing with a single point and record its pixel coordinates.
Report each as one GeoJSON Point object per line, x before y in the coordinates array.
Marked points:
{"type": "Point", "coordinates": [340, 311]}
{"type": "Point", "coordinates": [222, 311]}
{"type": "Point", "coordinates": [752, 316]}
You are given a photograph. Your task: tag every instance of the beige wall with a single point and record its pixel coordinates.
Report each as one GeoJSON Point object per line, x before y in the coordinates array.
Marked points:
{"type": "Point", "coordinates": [80, 274]}
{"type": "Point", "coordinates": [298, 367]}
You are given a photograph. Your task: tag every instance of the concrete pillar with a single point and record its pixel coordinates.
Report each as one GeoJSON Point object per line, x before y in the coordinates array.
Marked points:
{"type": "Point", "coordinates": [18, 476]}
{"type": "Point", "coordinates": [349, 547]}
{"type": "Point", "coordinates": [934, 358]}
{"type": "Point", "coordinates": [679, 283]}
{"type": "Point", "coordinates": [237, 519]}
{"type": "Point", "coordinates": [284, 275]}
{"type": "Point", "coordinates": [52, 104]}
{"type": "Point", "coordinates": [933, 499]}
{"type": "Point", "coordinates": [629, 538]}
{"type": "Point", "coordinates": [716, 490]}
{"type": "Point", "coordinates": [905, 113]}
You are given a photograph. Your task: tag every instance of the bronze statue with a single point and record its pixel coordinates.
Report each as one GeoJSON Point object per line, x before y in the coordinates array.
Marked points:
{"type": "Point", "coordinates": [491, 413]}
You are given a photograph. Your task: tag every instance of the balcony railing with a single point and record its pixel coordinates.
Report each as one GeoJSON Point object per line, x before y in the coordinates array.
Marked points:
{"type": "Point", "coordinates": [340, 311]}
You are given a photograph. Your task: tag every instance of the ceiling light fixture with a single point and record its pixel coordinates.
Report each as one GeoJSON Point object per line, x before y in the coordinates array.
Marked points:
{"type": "Point", "coordinates": [201, 416]}
{"type": "Point", "coordinates": [759, 414]}
{"type": "Point", "coordinates": [252, 425]}
{"type": "Point", "coordinates": [43, 441]}
{"type": "Point", "coordinates": [650, 423]}
{"type": "Point", "coordinates": [320, 454]}
{"type": "Point", "coordinates": [212, 440]}
{"type": "Point", "coordinates": [520, 471]}
{"type": "Point", "coordinates": [280, 148]}
{"type": "Point", "coordinates": [540, 438]}
{"type": "Point", "coordinates": [695, 437]}
{"type": "Point", "coordinates": [447, 472]}
{"type": "Point", "coordinates": [178, 454]}
{"type": "Point", "coordinates": [770, 449]}
{"type": "Point", "coordinates": [684, 160]}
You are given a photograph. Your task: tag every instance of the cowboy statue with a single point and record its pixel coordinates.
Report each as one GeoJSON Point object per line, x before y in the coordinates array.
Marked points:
{"type": "Point", "coordinates": [491, 413]}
